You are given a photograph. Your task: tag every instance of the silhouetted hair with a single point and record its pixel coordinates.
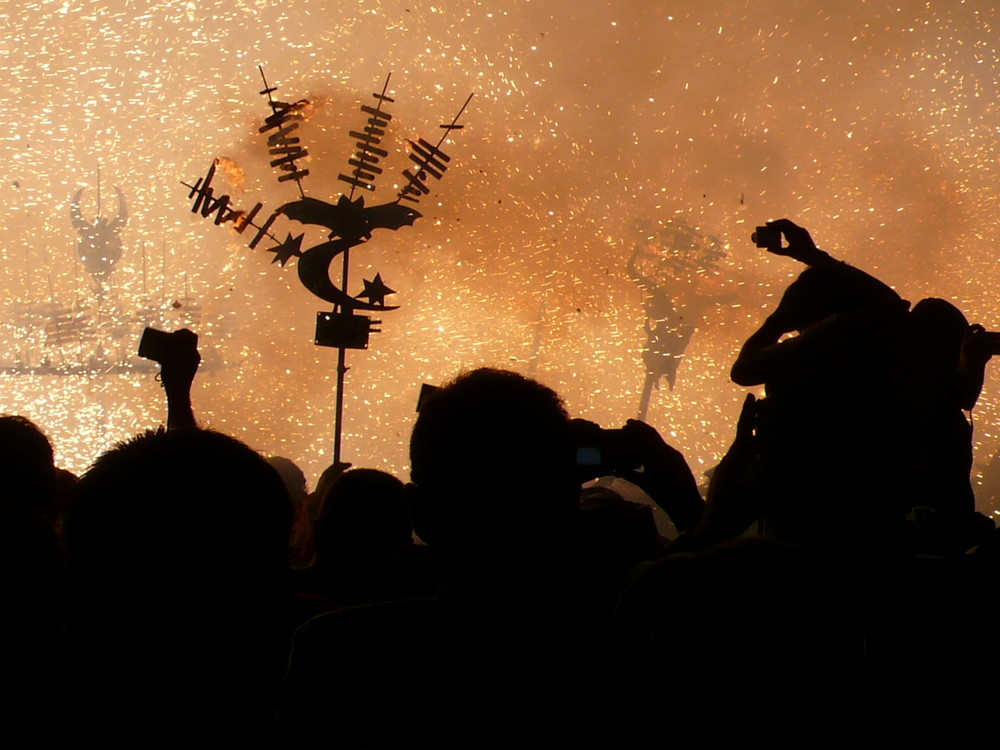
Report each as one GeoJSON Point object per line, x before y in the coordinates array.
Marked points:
{"type": "Point", "coordinates": [180, 504]}
{"type": "Point", "coordinates": [363, 519]}
{"type": "Point", "coordinates": [493, 450]}
{"type": "Point", "coordinates": [292, 476]}
{"type": "Point", "coordinates": [27, 474]}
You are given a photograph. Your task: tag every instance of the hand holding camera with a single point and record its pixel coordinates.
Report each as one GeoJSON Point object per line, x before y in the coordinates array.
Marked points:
{"type": "Point", "coordinates": [979, 344]}
{"type": "Point", "coordinates": [176, 352]}
{"type": "Point", "coordinates": [639, 455]}
{"type": "Point", "coordinates": [164, 347]}
{"type": "Point", "coordinates": [800, 245]}
{"type": "Point", "coordinates": [178, 356]}
{"type": "Point", "coordinates": [600, 452]}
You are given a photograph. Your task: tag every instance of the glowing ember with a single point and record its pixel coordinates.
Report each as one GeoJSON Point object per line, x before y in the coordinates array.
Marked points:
{"type": "Point", "coordinates": [234, 173]}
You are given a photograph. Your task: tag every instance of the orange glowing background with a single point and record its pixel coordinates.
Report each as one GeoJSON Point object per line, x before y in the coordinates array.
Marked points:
{"type": "Point", "coordinates": [875, 124]}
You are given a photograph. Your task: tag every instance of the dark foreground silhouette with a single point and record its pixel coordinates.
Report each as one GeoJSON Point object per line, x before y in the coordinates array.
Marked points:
{"type": "Point", "coordinates": [835, 587]}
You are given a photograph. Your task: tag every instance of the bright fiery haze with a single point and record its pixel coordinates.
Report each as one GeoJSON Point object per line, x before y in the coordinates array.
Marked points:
{"type": "Point", "coordinates": [874, 124]}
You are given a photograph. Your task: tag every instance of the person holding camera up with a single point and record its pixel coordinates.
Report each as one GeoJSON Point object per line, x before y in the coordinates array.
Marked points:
{"type": "Point", "coordinates": [865, 403]}
{"type": "Point", "coordinates": [178, 357]}
{"type": "Point", "coordinates": [831, 358]}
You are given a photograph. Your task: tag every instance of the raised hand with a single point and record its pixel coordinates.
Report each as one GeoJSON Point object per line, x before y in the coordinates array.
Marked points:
{"type": "Point", "coordinates": [664, 475]}
{"type": "Point", "coordinates": [730, 507]}
{"type": "Point", "coordinates": [800, 245]}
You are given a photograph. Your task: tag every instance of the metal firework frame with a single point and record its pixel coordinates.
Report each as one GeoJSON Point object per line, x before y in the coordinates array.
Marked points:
{"type": "Point", "coordinates": [349, 221]}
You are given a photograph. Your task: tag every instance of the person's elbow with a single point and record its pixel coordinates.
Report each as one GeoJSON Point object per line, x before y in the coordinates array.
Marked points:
{"type": "Point", "coordinates": [746, 373]}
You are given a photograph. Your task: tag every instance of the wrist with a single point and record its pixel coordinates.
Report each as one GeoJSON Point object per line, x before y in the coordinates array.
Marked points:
{"type": "Point", "coordinates": [178, 395]}
{"type": "Point", "coordinates": [813, 255]}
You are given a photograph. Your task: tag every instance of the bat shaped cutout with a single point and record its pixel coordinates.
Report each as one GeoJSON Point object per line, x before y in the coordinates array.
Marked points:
{"type": "Point", "coordinates": [350, 221]}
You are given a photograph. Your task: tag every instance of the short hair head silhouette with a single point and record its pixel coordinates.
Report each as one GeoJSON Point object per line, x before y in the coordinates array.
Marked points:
{"type": "Point", "coordinates": [493, 461]}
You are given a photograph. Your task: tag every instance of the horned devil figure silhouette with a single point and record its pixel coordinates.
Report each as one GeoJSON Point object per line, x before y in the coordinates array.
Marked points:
{"type": "Point", "coordinates": [100, 244]}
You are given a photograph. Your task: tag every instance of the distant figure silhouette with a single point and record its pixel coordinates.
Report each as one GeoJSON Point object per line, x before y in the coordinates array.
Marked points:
{"type": "Point", "coordinates": [100, 244]}
{"type": "Point", "coordinates": [673, 266]}
{"type": "Point", "coordinates": [363, 542]}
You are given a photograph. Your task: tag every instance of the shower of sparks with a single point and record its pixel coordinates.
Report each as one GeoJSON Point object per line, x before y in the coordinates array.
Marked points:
{"type": "Point", "coordinates": [873, 123]}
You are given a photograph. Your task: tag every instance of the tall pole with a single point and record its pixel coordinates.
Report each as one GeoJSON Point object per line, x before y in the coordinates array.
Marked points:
{"type": "Point", "coordinates": [338, 424]}
{"type": "Point", "coordinates": [338, 420]}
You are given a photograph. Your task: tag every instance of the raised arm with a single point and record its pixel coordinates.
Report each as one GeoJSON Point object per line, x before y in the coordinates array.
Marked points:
{"type": "Point", "coordinates": [177, 375]}
{"type": "Point", "coordinates": [800, 245]}
{"type": "Point", "coordinates": [665, 475]}
{"type": "Point", "coordinates": [731, 504]}
{"type": "Point", "coordinates": [632, 268]}
{"type": "Point", "coordinates": [178, 357]}
{"type": "Point", "coordinates": [761, 354]}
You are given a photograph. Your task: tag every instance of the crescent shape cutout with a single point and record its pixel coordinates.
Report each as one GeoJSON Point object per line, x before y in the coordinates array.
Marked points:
{"type": "Point", "coordinates": [314, 272]}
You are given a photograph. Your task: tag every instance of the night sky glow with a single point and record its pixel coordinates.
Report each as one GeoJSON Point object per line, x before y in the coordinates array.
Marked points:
{"type": "Point", "coordinates": [875, 124]}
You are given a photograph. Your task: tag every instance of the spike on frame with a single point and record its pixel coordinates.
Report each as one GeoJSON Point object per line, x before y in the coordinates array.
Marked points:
{"type": "Point", "coordinates": [430, 161]}
{"type": "Point", "coordinates": [284, 120]}
{"type": "Point", "coordinates": [207, 203]}
{"type": "Point", "coordinates": [366, 158]}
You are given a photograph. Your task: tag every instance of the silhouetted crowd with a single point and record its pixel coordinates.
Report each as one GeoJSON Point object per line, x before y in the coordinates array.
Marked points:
{"type": "Point", "coordinates": [835, 586]}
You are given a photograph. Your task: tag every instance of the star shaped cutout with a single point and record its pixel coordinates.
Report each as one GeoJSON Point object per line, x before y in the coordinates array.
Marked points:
{"type": "Point", "coordinates": [284, 252]}
{"type": "Point", "coordinates": [376, 290]}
